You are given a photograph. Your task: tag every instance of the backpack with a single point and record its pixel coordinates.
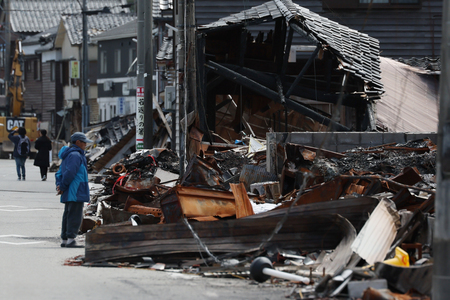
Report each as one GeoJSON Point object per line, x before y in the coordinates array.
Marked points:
{"type": "Point", "coordinates": [23, 146]}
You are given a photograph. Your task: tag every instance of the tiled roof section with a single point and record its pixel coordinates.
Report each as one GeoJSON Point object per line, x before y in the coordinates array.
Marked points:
{"type": "Point", "coordinates": [97, 24]}
{"type": "Point", "coordinates": [124, 31]}
{"type": "Point", "coordinates": [358, 52]}
{"type": "Point", "coordinates": [40, 15]}
{"type": "Point", "coordinates": [426, 63]}
{"type": "Point", "coordinates": [42, 37]}
{"type": "Point", "coordinates": [161, 5]}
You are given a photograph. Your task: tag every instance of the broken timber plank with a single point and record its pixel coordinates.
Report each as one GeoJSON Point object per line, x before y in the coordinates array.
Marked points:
{"type": "Point", "coordinates": [308, 227]}
{"type": "Point", "coordinates": [306, 233]}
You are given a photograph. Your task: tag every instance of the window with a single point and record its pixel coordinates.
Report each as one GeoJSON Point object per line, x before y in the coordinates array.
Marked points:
{"type": "Point", "coordinates": [117, 61]}
{"type": "Point", "coordinates": [364, 4]}
{"type": "Point", "coordinates": [37, 69]}
{"type": "Point", "coordinates": [132, 54]}
{"type": "Point", "coordinates": [52, 71]}
{"type": "Point", "coordinates": [61, 73]}
{"type": "Point", "coordinates": [103, 62]}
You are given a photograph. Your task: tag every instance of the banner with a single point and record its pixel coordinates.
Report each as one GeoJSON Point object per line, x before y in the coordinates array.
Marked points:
{"type": "Point", "coordinates": [139, 118]}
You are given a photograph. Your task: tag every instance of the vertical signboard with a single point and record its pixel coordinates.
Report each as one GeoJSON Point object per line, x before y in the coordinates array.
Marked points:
{"type": "Point", "coordinates": [139, 117]}
{"type": "Point", "coordinates": [75, 69]}
{"type": "Point", "coordinates": [121, 105]}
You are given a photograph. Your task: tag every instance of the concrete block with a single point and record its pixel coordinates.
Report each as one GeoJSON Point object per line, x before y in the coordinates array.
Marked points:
{"type": "Point", "coordinates": [357, 288]}
{"type": "Point", "coordinates": [348, 138]}
{"type": "Point", "coordinates": [393, 137]}
{"type": "Point", "coordinates": [327, 140]}
{"type": "Point", "coordinates": [301, 138]}
{"type": "Point", "coordinates": [371, 138]}
{"type": "Point", "coordinates": [421, 135]}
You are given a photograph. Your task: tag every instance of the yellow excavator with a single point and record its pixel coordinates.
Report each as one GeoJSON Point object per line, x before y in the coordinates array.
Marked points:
{"type": "Point", "coordinates": [12, 115]}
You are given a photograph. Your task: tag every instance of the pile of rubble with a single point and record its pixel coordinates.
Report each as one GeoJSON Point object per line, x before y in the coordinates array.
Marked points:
{"type": "Point", "coordinates": [339, 225]}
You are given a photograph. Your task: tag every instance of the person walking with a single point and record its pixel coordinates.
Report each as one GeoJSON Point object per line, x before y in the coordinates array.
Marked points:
{"type": "Point", "coordinates": [21, 150]}
{"type": "Point", "coordinates": [42, 160]}
{"type": "Point", "coordinates": [72, 184]}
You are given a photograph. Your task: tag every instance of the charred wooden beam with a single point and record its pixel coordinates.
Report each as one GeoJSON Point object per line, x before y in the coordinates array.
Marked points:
{"type": "Point", "coordinates": [264, 91]}
{"type": "Point", "coordinates": [269, 80]}
{"type": "Point", "coordinates": [287, 52]}
{"type": "Point", "coordinates": [283, 101]}
{"type": "Point", "coordinates": [243, 47]}
{"type": "Point", "coordinates": [279, 41]}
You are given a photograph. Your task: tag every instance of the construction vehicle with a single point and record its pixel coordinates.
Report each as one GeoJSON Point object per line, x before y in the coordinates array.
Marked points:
{"type": "Point", "coordinates": [12, 113]}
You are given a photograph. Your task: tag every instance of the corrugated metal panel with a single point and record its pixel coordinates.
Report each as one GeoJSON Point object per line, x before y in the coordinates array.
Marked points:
{"type": "Point", "coordinates": [410, 103]}
{"type": "Point", "coordinates": [376, 236]}
{"type": "Point", "coordinates": [97, 24]}
{"type": "Point", "coordinates": [38, 16]}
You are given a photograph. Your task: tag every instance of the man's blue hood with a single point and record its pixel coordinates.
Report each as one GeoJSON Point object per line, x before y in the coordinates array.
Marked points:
{"type": "Point", "coordinates": [67, 150]}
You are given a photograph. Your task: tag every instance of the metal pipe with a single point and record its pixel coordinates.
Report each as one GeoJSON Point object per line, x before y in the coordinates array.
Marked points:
{"type": "Point", "coordinates": [287, 276]}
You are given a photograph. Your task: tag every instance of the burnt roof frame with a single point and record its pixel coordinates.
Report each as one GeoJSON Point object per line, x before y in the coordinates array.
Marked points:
{"type": "Point", "coordinates": [240, 75]}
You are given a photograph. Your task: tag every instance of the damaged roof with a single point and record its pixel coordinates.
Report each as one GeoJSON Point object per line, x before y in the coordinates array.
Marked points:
{"type": "Point", "coordinates": [38, 16]}
{"type": "Point", "coordinates": [357, 52]}
{"type": "Point", "coordinates": [97, 24]}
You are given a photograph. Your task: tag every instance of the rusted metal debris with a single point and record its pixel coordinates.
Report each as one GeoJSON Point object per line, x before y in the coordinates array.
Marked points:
{"type": "Point", "coordinates": [312, 211]}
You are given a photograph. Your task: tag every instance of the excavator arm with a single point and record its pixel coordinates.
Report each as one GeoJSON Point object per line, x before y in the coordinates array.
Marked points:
{"type": "Point", "coordinates": [15, 88]}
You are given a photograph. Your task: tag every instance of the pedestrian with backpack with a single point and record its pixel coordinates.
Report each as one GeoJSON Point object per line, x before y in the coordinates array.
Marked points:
{"type": "Point", "coordinates": [21, 150]}
{"type": "Point", "coordinates": [44, 145]}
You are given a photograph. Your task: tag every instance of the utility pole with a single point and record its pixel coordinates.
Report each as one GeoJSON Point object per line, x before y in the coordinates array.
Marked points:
{"type": "Point", "coordinates": [441, 239]}
{"type": "Point", "coordinates": [85, 72]}
{"type": "Point", "coordinates": [140, 75]}
{"type": "Point", "coordinates": [191, 61]}
{"type": "Point", "coordinates": [7, 58]}
{"type": "Point", "coordinates": [148, 76]}
{"type": "Point", "coordinates": [180, 90]}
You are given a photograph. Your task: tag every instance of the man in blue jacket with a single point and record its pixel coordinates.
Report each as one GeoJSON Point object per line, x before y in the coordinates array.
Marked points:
{"type": "Point", "coordinates": [72, 184]}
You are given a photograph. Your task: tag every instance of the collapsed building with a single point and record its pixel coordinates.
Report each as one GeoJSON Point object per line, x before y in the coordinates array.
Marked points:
{"type": "Point", "coordinates": [256, 83]}
{"type": "Point", "coordinates": [354, 221]}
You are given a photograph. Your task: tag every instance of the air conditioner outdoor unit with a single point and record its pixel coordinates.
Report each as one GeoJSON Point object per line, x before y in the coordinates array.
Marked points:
{"type": "Point", "coordinates": [108, 85]}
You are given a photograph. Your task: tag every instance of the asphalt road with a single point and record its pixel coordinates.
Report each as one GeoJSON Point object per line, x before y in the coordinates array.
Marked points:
{"type": "Point", "coordinates": [32, 261]}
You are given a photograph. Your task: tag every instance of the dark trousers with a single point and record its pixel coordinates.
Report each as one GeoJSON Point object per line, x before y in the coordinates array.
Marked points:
{"type": "Point", "coordinates": [43, 171]}
{"type": "Point", "coordinates": [71, 221]}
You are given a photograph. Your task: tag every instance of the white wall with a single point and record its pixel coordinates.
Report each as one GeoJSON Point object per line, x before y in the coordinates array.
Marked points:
{"type": "Point", "coordinates": [53, 55]}
{"type": "Point", "coordinates": [109, 107]}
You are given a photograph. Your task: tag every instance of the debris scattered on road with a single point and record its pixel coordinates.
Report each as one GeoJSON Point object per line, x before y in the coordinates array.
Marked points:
{"type": "Point", "coordinates": [337, 220]}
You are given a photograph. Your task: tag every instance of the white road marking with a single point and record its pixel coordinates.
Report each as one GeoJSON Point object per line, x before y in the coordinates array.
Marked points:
{"type": "Point", "coordinates": [25, 243]}
{"type": "Point", "coordinates": [15, 208]}
{"type": "Point", "coordinates": [19, 236]}
{"type": "Point", "coordinates": [13, 235]}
